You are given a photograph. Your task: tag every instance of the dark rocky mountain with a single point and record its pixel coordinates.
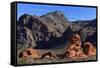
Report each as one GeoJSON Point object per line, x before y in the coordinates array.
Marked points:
{"type": "Point", "coordinates": [43, 31]}
{"type": "Point", "coordinates": [50, 30]}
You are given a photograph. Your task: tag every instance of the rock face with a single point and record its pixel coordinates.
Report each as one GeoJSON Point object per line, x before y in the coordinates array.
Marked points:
{"type": "Point", "coordinates": [43, 31]}
{"type": "Point", "coordinates": [56, 22]}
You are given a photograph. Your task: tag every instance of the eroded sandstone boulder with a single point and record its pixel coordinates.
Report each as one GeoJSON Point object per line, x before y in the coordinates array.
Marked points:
{"type": "Point", "coordinates": [74, 48]}
{"type": "Point", "coordinates": [29, 53]}
{"type": "Point", "coordinates": [89, 49]}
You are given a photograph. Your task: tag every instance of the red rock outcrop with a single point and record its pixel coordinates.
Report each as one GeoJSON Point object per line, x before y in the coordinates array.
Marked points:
{"type": "Point", "coordinates": [74, 49]}
{"type": "Point", "coordinates": [29, 52]}
{"type": "Point", "coordinates": [89, 49]}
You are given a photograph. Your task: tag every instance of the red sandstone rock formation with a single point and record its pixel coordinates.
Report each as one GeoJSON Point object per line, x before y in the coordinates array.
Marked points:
{"type": "Point", "coordinates": [29, 52]}
{"type": "Point", "coordinates": [89, 49]}
{"type": "Point", "coordinates": [74, 49]}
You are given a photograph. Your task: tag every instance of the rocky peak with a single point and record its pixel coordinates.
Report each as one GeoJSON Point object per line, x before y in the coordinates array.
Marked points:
{"type": "Point", "coordinates": [41, 29]}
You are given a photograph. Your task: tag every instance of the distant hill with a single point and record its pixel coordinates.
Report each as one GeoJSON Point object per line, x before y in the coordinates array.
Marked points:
{"type": "Point", "coordinates": [92, 23]}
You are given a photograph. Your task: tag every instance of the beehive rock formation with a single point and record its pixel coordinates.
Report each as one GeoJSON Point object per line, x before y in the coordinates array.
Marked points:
{"type": "Point", "coordinates": [74, 48]}
{"type": "Point", "coordinates": [89, 49]}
